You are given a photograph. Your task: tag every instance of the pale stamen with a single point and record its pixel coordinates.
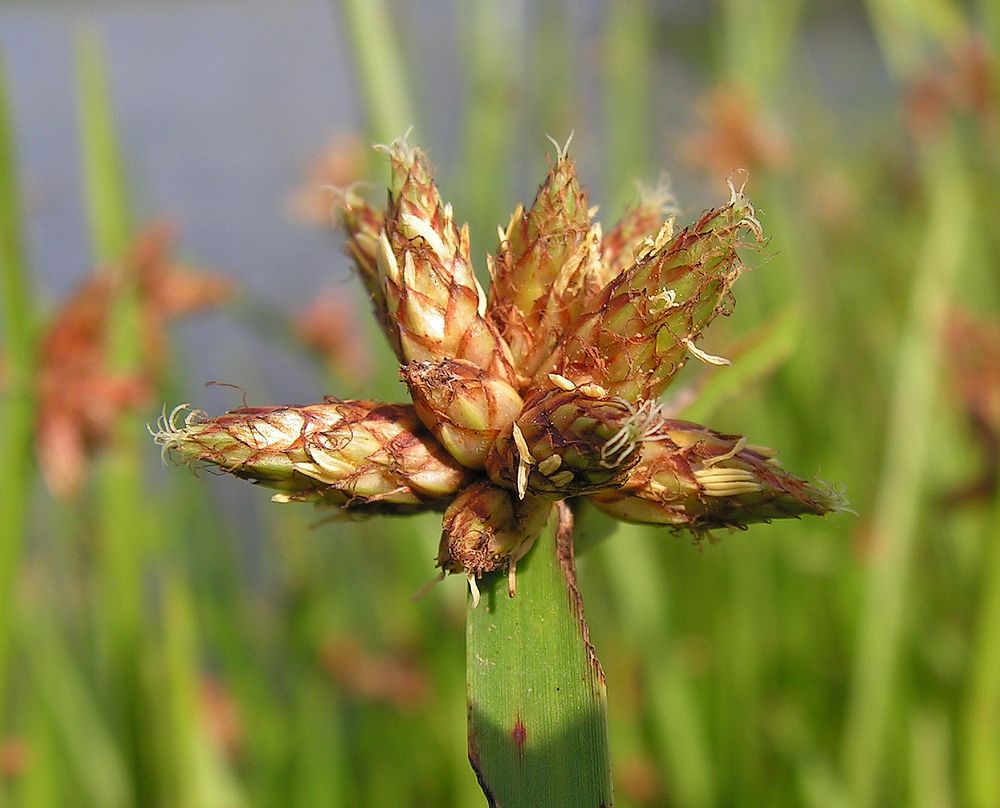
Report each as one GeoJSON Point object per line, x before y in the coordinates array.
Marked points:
{"type": "Point", "coordinates": [562, 382]}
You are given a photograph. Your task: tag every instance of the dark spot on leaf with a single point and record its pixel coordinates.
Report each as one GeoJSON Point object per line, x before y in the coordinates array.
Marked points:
{"type": "Point", "coordinates": [519, 734]}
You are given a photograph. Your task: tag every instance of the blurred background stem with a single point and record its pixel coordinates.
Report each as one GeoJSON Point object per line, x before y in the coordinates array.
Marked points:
{"type": "Point", "coordinates": [493, 82]}
{"type": "Point", "coordinates": [17, 406]}
{"type": "Point", "coordinates": [980, 737]}
{"type": "Point", "coordinates": [883, 625]}
{"type": "Point", "coordinates": [126, 523]}
{"type": "Point", "coordinates": [377, 57]}
{"type": "Point", "coordinates": [627, 52]}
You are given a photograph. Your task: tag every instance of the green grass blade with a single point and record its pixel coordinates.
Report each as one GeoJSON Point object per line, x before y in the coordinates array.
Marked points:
{"type": "Point", "coordinates": [641, 595]}
{"type": "Point", "coordinates": [627, 57]}
{"type": "Point", "coordinates": [537, 699]}
{"type": "Point", "coordinates": [18, 359]}
{"type": "Point", "coordinates": [758, 64]}
{"type": "Point", "coordinates": [107, 207]}
{"type": "Point", "coordinates": [127, 524]}
{"type": "Point", "coordinates": [372, 36]}
{"type": "Point", "coordinates": [980, 748]}
{"type": "Point", "coordinates": [105, 194]}
{"type": "Point", "coordinates": [931, 741]}
{"type": "Point", "coordinates": [104, 174]}
{"type": "Point", "coordinates": [13, 271]}
{"type": "Point", "coordinates": [202, 778]}
{"type": "Point", "coordinates": [91, 759]}
{"type": "Point", "coordinates": [904, 30]}
{"type": "Point", "coordinates": [910, 426]}
{"type": "Point", "coordinates": [493, 79]}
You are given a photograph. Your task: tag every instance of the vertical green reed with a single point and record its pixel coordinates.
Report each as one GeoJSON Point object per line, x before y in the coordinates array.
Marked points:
{"type": "Point", "coordinates": [643, 607]}
{"type": "Point", "coordinates": [125, 522]}
{"type": "Point", "coordinates": [626, 57]}
{"type": "Point", "coordinates": [87, 766]}
{"type": "Point", "coordinates": [883, 619]}
{"type": "Point", "coordinates": [17, 404]}
{"type": "Point", "coordinates": [945, 181]}
{"type": "Point", "coordinates": [980, 730]}
{"type": "Point", "coordinates": [492, 83]}
{"type": "Point", "coordinates": [377, 57]}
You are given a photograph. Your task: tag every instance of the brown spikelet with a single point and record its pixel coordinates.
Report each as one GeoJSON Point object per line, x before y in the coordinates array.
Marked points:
{"type": "Point", "coordinates": [363, 225]}
{"type": "Point", "coordinates": [432, 296]}
{"type": "Point", "coordinates": [640, 330]}
{"type": "Point", "coordinates": [464, 406]}
{"type": "Point", "coordinates": [694, 477]}
{"type": "Point", "coordinates": [568, 442]}
{"type": "Point", "coordinates": [361, 455]}
{"type": "Point", "coordinates": [486, 528]}
{"type": "Point", "coordinates": [546, 258]}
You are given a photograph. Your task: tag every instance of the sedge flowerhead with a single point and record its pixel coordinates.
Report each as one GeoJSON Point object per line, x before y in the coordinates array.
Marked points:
{"type": "Point", "coordinates": [543, 388]}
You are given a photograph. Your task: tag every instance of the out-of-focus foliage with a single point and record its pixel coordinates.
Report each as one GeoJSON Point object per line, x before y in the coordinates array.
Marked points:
{"type": "Point", "coordinates": [151, 654]}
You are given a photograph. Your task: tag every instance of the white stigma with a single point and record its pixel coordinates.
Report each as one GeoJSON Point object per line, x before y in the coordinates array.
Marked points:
{"type": "Point", "coordinates": [704, 356]}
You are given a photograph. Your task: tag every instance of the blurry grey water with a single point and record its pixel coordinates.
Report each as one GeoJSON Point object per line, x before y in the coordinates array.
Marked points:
{"type": "Point", "coordinates": [220, 106]}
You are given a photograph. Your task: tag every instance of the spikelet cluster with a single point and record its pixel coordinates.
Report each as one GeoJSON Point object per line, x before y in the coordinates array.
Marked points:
{"type": "Point", "coordinates": [543, 389]}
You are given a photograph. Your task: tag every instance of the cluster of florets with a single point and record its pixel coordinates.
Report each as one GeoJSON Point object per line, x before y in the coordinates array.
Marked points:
{"type": "Point", "coordinates": [544, 389]}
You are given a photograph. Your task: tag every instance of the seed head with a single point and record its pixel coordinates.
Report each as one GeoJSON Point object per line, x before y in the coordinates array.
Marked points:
{"type": "Point", "coordinates": [546, 390]}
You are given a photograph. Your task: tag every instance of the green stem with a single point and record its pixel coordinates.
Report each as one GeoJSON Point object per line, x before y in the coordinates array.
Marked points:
{"type": "Point", "coordinates": [981, 750]}
{"type": "Point", "coordinates": [905, 466]}
{"type": "Point", "coordinates": [628, 54]}
{"type": "Point", "coordinates": [493, 80]}
{"type": "Point", "coordinates": [17, 405]}
{"type": "Point", "coordinates": [537, 702]}
{"type": "Point", "coordinates": [380, 72]}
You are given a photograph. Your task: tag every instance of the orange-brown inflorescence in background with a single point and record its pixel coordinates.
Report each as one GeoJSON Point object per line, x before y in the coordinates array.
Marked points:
{"type": "Point", "coordinates": [544, 389]}
{"type": "Point", "coordinates": [80, 395]}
